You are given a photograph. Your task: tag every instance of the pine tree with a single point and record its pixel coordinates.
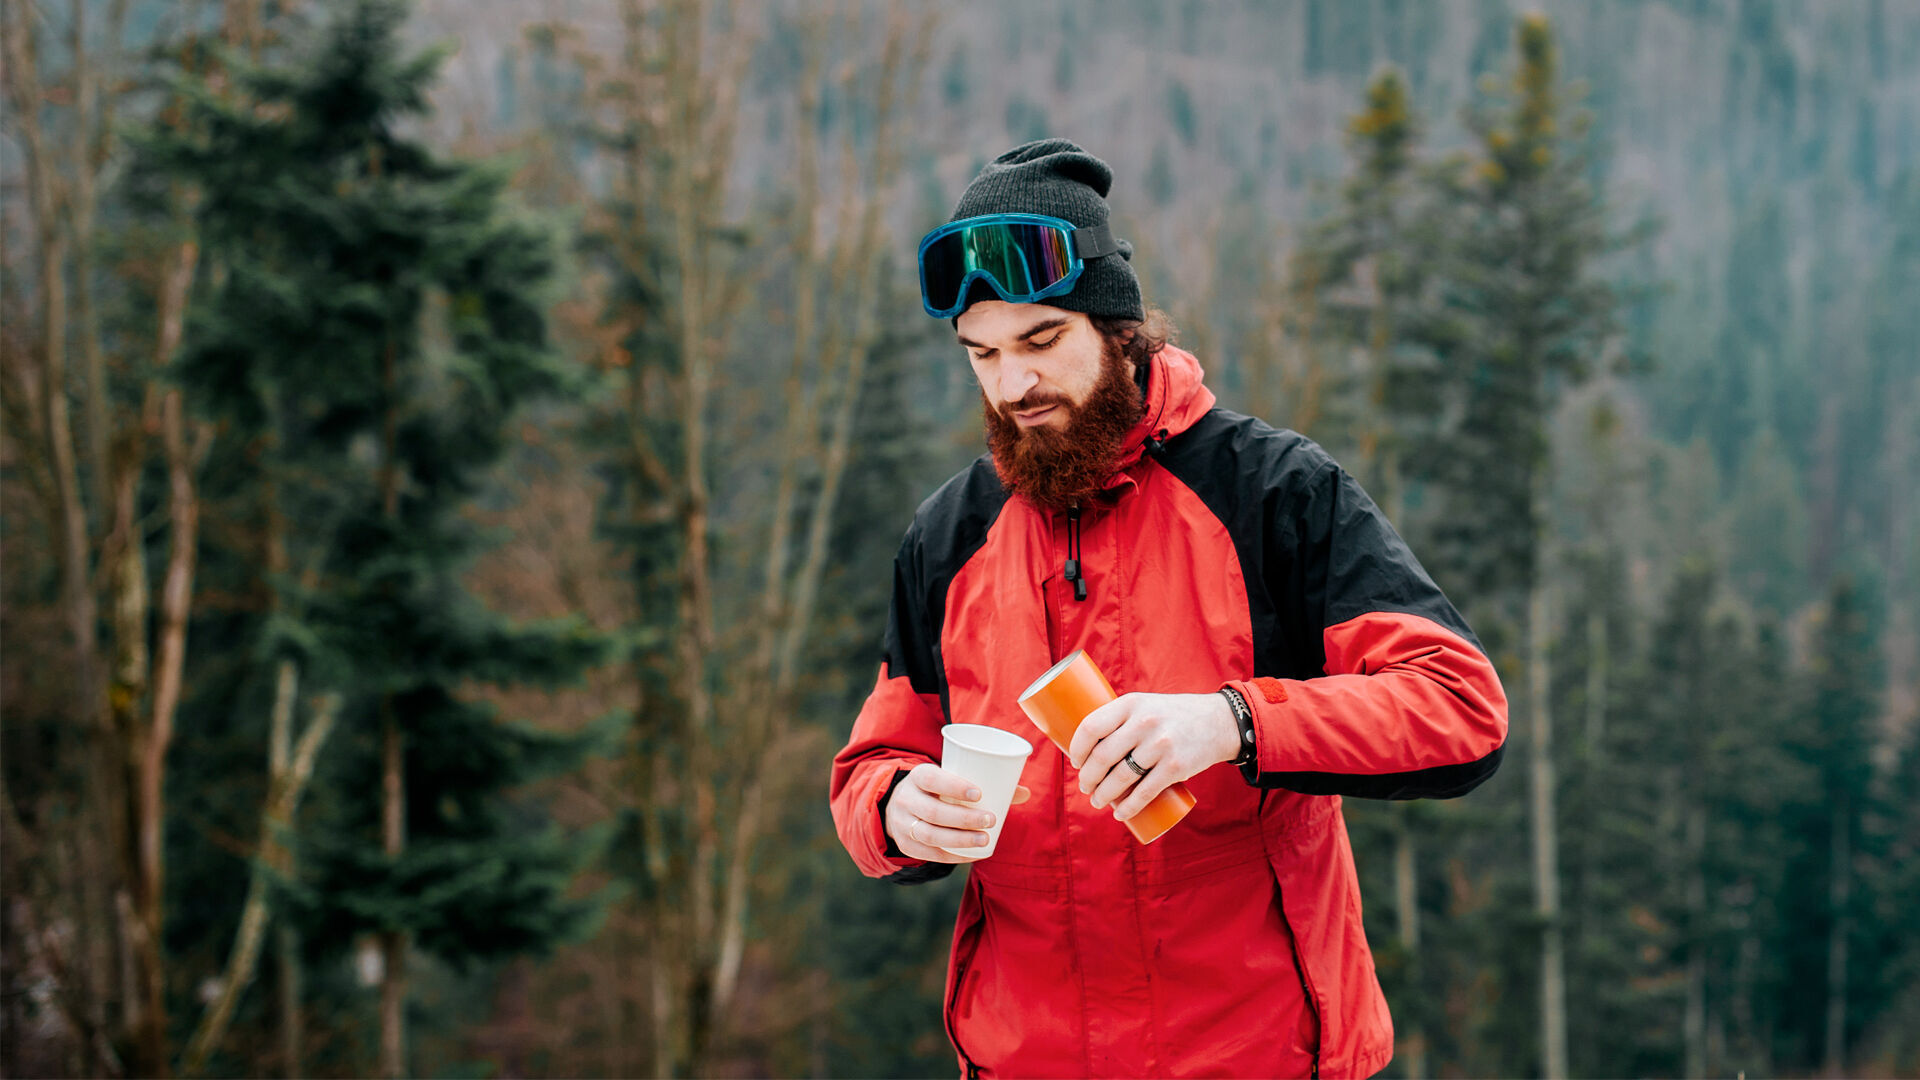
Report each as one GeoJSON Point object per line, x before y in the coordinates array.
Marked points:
{"type": "Point", "coordinates": [1523, 314]}
{"type": "Point", "coordinates": [1821, 1002]}
{"type": "Point", "coordinates": [374, 320]}
{"type": "Point", "coordinates": [1366, 269]}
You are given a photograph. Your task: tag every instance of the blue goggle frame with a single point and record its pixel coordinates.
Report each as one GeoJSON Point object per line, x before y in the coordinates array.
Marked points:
{"type": "Point", "coordinates": [1022, 257]}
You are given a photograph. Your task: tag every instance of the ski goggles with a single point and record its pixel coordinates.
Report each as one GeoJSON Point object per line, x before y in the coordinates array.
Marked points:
{"type": "Point", "coordinates": [1024, 257]}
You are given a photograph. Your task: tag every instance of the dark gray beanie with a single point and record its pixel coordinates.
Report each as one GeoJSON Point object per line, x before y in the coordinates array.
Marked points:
{"type": "Point", "coordinates": [1057, 178]}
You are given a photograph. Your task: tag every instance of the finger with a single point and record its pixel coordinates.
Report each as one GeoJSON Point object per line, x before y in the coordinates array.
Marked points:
{"type": "Point", "coordinates": [950, 815]}
{"type": "Point", "coordinates": [1117, 781]}
{"type": "Point", "coordinates": [914, 849]}
{"type": "Point", "coordinates": [904, 828]}
{"type": "Point", "coordinates": [1021, 794]}
{"type": "Point", "coordinates": [1148, 789]}
{"type": "Point", "coordinates": [936, 781]}
{"type": "Point", "coordinates": [1105, 758]}
{"type": "Point", "coordinates": [935, 836]}
{"type": "Point", "coordinates": [1099, 724]}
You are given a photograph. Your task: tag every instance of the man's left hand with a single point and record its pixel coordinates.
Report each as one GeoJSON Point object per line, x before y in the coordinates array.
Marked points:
{"type": "Point", "coordinates": [1172, 736]}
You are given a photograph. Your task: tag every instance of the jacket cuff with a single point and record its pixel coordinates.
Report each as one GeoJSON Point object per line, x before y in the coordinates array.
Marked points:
{"type": "Point", "coordinates": [881, 858]}
{"type": "Point", "coordinates": [1263, 696]}
{"type": "Point", "coordinates": [892, 852]}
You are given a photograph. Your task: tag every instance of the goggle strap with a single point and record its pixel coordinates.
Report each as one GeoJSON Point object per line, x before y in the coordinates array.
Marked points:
{"type": "Point", "coordinates": [1093, 241]}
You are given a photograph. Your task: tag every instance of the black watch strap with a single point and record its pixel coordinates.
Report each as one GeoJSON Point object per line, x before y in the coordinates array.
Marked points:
{"type": "Point", "coordinates": [1243, 717]}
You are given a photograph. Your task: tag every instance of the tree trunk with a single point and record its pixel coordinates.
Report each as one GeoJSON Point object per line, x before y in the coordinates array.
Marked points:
{"type": "Point", "coordinates": [393, 943]}
{"type": "Point", "coordinates": [85, 173]}
{"type": "Point", "coordinates": [1839, 891]}
{"type": "Point", "coordinates": [176, 598]}
{"type": "Point", "coordinates": [290, 771]}
{"type": "Point", "coordinates": [293, 1028]}
{"type": "Point", "coordinates": [1546, 845]}
{"type": "Point", "coordinates": [690, 212]}
{"type": "Point", "coordinates": [766, 740]}
{"type": "Point", "coordinates": [102, 809]}
{"type": "Point", "coordinates": [1597, 674]}
{"type": "Point", "coordinates": [664, 999]}
{"type": "Point", "coordinates": [393, 809]}
{"type": "Point", "coordinates": [1406, 898]}
{"type": "Point", "coordinates": [1755, 1044]}
{"type": "Point", "coordinates": [1694, 1018]}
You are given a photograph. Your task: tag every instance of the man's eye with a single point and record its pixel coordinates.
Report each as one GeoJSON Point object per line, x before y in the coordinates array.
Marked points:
{"type": "Point", "coordinates": [981, 357]}
{"type": "Point", "coordinates": [1047, 344]}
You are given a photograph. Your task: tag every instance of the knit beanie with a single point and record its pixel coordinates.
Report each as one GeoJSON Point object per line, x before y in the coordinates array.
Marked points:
{"type": "Point", "coordinates": [1057, 178]}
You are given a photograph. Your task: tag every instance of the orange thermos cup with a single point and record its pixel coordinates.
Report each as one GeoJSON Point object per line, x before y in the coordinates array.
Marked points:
{"type": "Point", "coordinates": [1060, 699]}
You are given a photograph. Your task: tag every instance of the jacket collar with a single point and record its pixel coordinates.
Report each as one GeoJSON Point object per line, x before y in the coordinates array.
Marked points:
{"type": "Point", "coordinates": [1176, 400]}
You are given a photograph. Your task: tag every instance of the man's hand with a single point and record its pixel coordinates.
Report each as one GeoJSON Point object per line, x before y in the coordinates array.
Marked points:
{"type": "Point", "coordinates": [1172, 736]}
{"type": "Point", "coordinates": [921, 824]}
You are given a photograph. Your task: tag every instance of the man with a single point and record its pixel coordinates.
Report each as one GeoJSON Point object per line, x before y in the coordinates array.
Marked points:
{"type": "Point", "coordinates": [1275, 644]}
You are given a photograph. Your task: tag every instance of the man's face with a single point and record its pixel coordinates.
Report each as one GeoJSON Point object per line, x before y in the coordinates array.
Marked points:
{"type": "Point", "coordinates": [1058, 398]}
{"type": "Point", "coordinates": [1031, 359]}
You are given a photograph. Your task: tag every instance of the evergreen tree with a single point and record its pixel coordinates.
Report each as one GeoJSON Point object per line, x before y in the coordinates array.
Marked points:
{"type": "Point", "coordinates": [1365, 269]}
{"type": "Point", "coordinates": [1523, 314]}
{"type": "Point", "coordinates": [1826, 995]}
{"type": "Point", "coordinates": [1897, 918]}
{"type": "Point", "coordinates": [374, 320]}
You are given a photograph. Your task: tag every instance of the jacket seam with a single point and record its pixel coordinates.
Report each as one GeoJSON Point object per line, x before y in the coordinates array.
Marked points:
{"type": "Point", "coordinates": [1154, 1055]}
{"type": "Point", "coordinates": [1073, 927]}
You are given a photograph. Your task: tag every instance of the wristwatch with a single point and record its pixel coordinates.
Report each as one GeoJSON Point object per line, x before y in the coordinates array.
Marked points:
{"type": "Point", "coordinates": [1242, 716]}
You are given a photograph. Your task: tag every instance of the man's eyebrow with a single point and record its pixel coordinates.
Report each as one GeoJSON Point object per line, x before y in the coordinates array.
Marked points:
{"type": "Point", "coordinates": [1043, 327]}
{"type": "Point", "coordinates": [1026, 335]}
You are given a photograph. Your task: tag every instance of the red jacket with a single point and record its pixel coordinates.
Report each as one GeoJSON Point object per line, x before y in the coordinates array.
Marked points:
{"type": "Point", "coordinates": [1224, 552]}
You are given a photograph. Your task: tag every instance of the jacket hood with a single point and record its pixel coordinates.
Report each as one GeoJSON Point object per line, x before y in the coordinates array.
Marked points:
{"type": "Point", "coordinates": [1176, 400]}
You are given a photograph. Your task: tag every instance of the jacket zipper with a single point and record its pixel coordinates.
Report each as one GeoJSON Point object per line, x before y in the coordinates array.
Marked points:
{"type": "Point", "coordinates": [1299, 958]}
{"type": "Point", "coordinates": [1306, 992]}
{"type": "Point", "coordinates": [1073, 553]}
{"type": "Point", "coordinates": [960, 987]}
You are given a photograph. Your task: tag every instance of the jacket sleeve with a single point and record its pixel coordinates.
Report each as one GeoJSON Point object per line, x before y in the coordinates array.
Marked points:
{"type": "Point", "coordinates": [898, 728]}
{"type": "Point", "coordinates": [1409, 706]}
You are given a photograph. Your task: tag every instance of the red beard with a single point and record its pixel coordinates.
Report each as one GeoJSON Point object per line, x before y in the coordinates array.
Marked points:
{"type": "Point", "coordinates": [1054, 468]}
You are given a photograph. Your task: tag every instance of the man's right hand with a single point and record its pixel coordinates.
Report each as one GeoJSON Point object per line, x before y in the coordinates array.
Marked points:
{"type": "Point", "coordinates": [921, 825]}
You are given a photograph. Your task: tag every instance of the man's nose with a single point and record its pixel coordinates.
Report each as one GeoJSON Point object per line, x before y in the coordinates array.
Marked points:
{"type": "Point", "coordinates": [1016, 380]}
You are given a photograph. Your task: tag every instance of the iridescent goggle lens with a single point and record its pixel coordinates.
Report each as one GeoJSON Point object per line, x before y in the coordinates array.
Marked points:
{"type": "Point", "coordinates": [1024, 257]}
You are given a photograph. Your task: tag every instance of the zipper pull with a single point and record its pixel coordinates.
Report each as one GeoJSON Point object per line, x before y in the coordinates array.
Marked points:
{"type": "Point", "coordinates": [1157, 441]}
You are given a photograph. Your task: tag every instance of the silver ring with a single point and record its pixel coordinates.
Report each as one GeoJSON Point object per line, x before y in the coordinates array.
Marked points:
{"type": "Point", "coordinates": [1132, 764]}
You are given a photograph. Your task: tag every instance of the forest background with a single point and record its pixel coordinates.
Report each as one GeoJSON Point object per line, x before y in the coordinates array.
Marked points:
{"type": "Point", "coordinates": [453, 456]}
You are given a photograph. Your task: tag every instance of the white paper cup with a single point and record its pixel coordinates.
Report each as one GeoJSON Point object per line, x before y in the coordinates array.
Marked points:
{"type": "Point", "coordinates": [992, 759]}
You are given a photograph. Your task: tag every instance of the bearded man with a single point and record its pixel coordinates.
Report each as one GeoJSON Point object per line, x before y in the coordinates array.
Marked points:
{"type": "Point", "coordinates": [1275, 644]}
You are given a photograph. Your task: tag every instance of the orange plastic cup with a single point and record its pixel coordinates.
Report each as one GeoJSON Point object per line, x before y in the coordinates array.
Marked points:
{"type": "Point", "coordinates": [1060, 699]}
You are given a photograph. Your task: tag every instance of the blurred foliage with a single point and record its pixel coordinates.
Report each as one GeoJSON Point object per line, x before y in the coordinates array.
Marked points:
{"type": "Point", "coordinates": [1617, 301]}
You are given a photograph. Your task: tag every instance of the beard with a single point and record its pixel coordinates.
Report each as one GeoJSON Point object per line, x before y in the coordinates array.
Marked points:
{"type": "Point", "coordinates": [1055, 467]}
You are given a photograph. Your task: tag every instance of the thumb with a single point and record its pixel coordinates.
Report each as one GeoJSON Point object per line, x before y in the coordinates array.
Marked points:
{"type": "Point", "coordinates": [1021, 794]}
